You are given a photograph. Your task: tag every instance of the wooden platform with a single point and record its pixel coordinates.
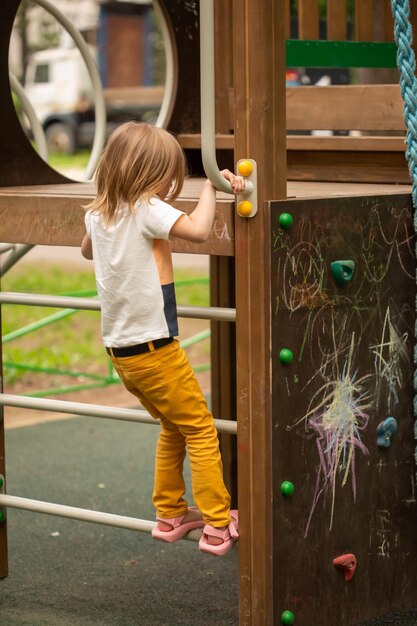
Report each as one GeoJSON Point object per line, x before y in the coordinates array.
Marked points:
{"type": "Point", "coordinates": [53, 214]}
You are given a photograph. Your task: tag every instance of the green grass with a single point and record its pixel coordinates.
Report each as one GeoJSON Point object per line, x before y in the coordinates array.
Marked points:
{"type": "Point", "coordinates": [73, 343]}
{"type": "Point", "coordinates": [60, 161]}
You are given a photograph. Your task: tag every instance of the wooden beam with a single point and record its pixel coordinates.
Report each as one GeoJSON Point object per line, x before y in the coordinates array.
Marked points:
{"type": "Point", "coordinates": [307, 189]}
{"type": "Point", "coordinates": [346, 107]}
{"type": "Point", "coordinates": [362, 143]}
{"type": "Point", "coordinates": [53, 215]}
{"type": "Point", "coordinates": [337, 107]}
{"type": "Point", "coordinates": [259, 83]}
{"type": "Point", "coordinates": [357, 167]}
{"type": "Point", "coordinates": [223, 141]}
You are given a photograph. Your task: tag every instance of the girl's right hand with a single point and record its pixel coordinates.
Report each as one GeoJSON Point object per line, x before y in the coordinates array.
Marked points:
{"type": "Point", "coordinates": [237, 182]}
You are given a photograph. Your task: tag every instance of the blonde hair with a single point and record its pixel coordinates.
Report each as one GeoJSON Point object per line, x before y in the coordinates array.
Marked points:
{"type": "Point", "coordinates": [138, 162]}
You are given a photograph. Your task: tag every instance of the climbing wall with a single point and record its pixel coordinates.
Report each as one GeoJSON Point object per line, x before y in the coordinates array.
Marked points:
{"type": "Point", "coordinates": [343, 294]}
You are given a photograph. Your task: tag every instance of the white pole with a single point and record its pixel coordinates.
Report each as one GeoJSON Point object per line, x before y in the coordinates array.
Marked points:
{"type": "Point", "coordinates": [208, 101]}
{"type": "Point", "coordinates": [221, 314]}
{"type": "Point", "coordinates": [96, 410]}
{"type": "Point", "coordinates": [84, 515]}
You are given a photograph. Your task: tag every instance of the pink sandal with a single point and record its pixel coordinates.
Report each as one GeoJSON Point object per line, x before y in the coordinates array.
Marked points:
{"type": "Point", "coordinates": [179, 529]}
{"type": "Point", "coordinates": [229, 535]}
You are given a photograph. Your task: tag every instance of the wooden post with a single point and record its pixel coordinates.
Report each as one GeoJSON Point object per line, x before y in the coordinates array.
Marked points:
{"type": "Point", "coordinates": [259, 84]}
{"type": "Point", "coordinates": [223, 363]}
{"type": "Point", "coordinates": [224, 63]}
{"type": "Point", "coordinates": [222, 274]}
{"type": "Point", "coordinates": [3, 525]}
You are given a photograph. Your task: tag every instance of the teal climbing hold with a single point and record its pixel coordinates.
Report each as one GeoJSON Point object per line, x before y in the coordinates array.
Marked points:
{"type": "Point", "coordinates": [385, 431]}
{"type": "Point", "coordinates": [342, 271]}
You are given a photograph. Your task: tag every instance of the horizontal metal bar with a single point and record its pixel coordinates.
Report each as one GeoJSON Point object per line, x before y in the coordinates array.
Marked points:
{"type": "Point", "coordinates": [84, 515]}
{"type": "Point", "coordinates": [96, 410]}
{"type": "Point", "coordinates": [306, 53]}
{"type": "Point", "coordinates": [220, 314]}
{"type": "Point", "coordinates": [213, 313]}
{"type": "Point", "coordinates": [5, 247]}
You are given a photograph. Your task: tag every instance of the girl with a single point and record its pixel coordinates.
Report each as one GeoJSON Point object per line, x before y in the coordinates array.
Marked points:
{"type": "Point", "coordinates": [128, 230]}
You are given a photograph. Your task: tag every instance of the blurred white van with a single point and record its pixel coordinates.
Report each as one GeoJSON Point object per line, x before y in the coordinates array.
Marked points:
{"type": "Point", "coordinates": [59, 87]}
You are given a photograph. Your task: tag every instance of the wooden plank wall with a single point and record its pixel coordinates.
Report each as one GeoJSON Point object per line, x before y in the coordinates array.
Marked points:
{"type": "Point", "coordinates": [332, 342]}
{"type": "Point", "coordinates": [371, 20]}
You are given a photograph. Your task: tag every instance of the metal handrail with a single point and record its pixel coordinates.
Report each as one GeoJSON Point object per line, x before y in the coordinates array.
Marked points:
{"type": "Point", "coordinates": [207, 89]}
{"type": "Point", "coordinates": [96, 410]}
{"type": "Point", "coordinates": [84, 515]}
{"type": "Point", "coordinates": [219, 314]}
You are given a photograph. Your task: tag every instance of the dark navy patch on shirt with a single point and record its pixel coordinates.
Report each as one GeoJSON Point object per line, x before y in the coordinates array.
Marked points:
{"type": "Point", "coordinates": [170, 308]}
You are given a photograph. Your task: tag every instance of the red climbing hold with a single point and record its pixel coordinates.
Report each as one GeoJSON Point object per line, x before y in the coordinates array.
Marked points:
{"type": "Point", "coordinates": [348, 563]}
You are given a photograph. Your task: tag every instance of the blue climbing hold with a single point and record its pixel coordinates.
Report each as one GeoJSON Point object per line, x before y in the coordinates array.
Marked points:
{"type": "Point", "coordinates": [384, 432]}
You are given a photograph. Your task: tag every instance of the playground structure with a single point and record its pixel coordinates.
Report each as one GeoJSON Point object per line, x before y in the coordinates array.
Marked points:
{"type": "Point", "coordinates": [321, 284]}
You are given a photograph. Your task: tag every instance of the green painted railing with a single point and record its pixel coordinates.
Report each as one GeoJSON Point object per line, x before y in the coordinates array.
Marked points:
{"type": "Point", "coordinates": [306, 53]}
{"type": "Point", "coordinates": [96, 380]}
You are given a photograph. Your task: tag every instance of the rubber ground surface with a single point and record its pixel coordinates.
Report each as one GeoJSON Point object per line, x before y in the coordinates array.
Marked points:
{"type": "Point", "coordinates": [63, 572]}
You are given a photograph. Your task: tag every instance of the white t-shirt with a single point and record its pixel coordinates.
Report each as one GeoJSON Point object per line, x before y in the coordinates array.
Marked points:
{"type": "Point", "coordinates": [133, 267]}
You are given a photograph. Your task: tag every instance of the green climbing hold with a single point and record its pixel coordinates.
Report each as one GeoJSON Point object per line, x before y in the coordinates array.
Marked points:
{"type": "Point", "coordinates": [2, 516]}
{"type": "Point", "coordinates": [287, 617]}
{"type": "Point", "coordinates": [286, 220]}
{"type": "Point", "coordinates": [285, 356]}
{"type": "Point", "coordinates": [342, 271]}
{"type": "Point", "coordinates": [287, 488]}
{"type": "Point", "coordinates": [1, 481]}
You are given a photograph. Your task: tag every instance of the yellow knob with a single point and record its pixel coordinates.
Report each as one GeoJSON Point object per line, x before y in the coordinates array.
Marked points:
{"type": "Point", "coordinates": [245, 168]}
{"type": "Point", "coordinates": [244, 208]}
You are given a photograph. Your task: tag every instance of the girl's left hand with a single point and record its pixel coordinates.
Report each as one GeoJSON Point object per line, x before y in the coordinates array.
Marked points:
{"type": "Point", "coordinates": [237, 182]}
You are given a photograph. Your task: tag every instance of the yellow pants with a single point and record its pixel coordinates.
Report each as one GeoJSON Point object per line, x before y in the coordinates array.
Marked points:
{"type": "Point", "coordinates": [166, 385]}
